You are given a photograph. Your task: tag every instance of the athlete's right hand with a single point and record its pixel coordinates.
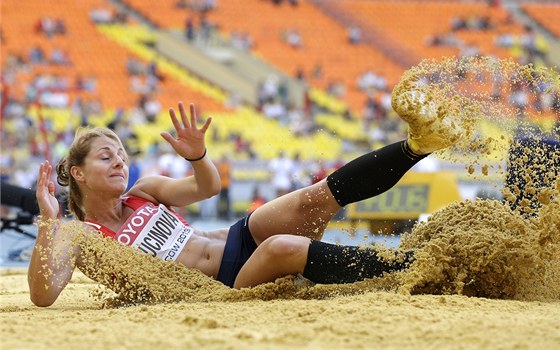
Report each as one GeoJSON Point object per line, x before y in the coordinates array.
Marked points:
{"type": "Point", "coordinates": [48, 204]}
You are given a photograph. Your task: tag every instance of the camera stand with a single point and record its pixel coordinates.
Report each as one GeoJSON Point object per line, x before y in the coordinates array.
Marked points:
{"type": "Point", "coordinates": [15, 224]}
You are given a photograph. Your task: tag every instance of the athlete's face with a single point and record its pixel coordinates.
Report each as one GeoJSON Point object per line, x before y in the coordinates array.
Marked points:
{"type": "Point", "coordinates": [105, 168]}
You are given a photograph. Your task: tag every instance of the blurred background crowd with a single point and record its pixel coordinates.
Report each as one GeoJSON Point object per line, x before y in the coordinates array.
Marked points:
{"type": "Point", "coordinates": [296, 87]}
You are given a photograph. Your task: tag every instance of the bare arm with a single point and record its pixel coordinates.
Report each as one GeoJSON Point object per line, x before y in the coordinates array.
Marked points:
{"type": "Point", "coordinates": [190, 144]}
{"type": "Point", "coordinates": [52, 262]}
{"type": "Point", "coordinates": [53, 258]}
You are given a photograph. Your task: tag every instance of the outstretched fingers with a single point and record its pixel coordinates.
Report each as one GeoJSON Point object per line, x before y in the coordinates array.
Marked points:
{"type": "Point", "coordinates": [174, 119]}
{"type": "Point", "coordinates": [184, 117]}
{"type": "Point", "coordinates": [188, 121]}
{"type": "Point", "coordinates": [44, 174]}
{"type": "Point", "coordinates": [206, 125]}
{"type": "Point", "coordinates": [193, 115]}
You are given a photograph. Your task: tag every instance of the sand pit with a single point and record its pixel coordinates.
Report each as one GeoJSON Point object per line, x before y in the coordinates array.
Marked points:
{"type": "Point", "coordinates": [513, 260]}
{"type": "Point", "coordinates": [370, 320]}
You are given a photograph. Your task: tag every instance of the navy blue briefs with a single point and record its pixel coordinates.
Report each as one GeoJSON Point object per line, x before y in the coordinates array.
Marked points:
{"type": "Point", "coordinates": [240, 245]}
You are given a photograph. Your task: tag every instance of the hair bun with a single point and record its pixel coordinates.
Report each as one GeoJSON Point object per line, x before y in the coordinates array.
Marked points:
{"type": "Point", "coordinates": [63, 178]}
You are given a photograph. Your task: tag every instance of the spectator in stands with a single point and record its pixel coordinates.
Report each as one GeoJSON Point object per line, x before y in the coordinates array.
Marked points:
{"type": "Point", "coordinates": [224, 202]}
{"type": "Point", "coordinates": [257, 200]}
{"type": "Point", "coordinates": [37, 55]}
{"type": "Point", "coordinates": [101, 15]}
{"type": "Point", "coordinates": [134, 170]}
{"type": "Point", "coordinates": [60, 57]}
{"type": "Point", "coordinates": [354, 35]}
{"type": "Point", "coordinates": [293, 38]}
{"type": "Point", "coordinates": [299, 123]}
{"type": "Point", "coordinates": [483, 23]}
{"type": "Point", "coordinates": [534, 45]}
{"type": "Point", "coordinates": [369, 80]}
{"type": "Point", "coordinates": [181, 4]}
{"type": "Point", "coordinates": [60, 26]}
{"type": "Point", "coordinates": [240, 146]}
{"type": "Point", "coordinates": [189, 29]}
{"type": "Point", "coordinates": [120, 17]}
{"type": "Point", "coordinates": [300, 74]}
{"type": "Point", "coordinates": [274, 109]}
{"type": "Point", "coordinates": [555, 107]}
{"type": "Point", "coordinates": [471, 23]}
{"type": "Point", "coordinates": [269, 88]}
{"type": "Point", "coordinates": [469, 49]}
{"type": "Point", "coordinates": [210, 5]}
{"type": "Point", "coordinates": [134, 66]}
{"type": "Point", "coordinates": [88, 83]}
{"type": "Point", "coordinates": [317, 71]}
{"type": "Point", "coordinates": [291, 2]}
{"type": "Point", "coordinates": [282, 170]}
{"type": "Point", "coordinates": [336, 88]}
{"type": "Point", "coordinates": [519, 97]}
{"type": "Point", "coordinates": [47, 26]}
{"type": "Point", "coordinates": [445, 39]}
{"type": "Point", "coordinates": [458, 23]}
{"type": "Point", "coordinates": [170, 164]}
{"type": "Point", "coordinates": [241, 41]}
{"type": "Point", "coordinates": [505, 40]}
{"type": "Point", "coordinates": [152, 107]}
{"type": "Point", "coordinates": [152, 69]}
{"type": "Point", "coordinates": [493, 3]}
{"type": "Point", "coordinates": [233, 100]}
{"type": "Point", "coordinates": [206, 29]}
{"type": "Point", "coordinates": [50, 27]}
{"type": "Point", "coordinates": [299, 176]}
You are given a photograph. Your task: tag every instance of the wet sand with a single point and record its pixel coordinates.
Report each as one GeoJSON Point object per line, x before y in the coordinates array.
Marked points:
{"type": "Point", "coordinates": [370, 320]}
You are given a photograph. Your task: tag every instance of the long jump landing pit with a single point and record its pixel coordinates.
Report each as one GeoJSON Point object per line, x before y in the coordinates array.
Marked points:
{"type": "Point", "coordinates": [370, 320]}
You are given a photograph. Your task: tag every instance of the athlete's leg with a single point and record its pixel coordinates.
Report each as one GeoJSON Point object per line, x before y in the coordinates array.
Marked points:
{"type": "Point", "coordinates": [317, 261]}
{"type": "Point", "coordinates": [304, 212]}
{"type": "Point", "coordinates": [278, 256]}
{"type": "Point", "coordinates": [307, 211]}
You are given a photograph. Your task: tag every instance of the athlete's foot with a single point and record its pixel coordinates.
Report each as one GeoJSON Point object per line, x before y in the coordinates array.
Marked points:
{"type": "Point", "coordinates": [432, 124]}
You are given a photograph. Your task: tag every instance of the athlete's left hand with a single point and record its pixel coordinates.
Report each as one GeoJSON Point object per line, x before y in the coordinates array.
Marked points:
{"type": "Point", "coordinates": [189, 142]}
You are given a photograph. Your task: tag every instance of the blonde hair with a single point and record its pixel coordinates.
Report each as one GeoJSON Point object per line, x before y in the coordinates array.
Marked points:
{"type": "Point", "coordinates": [79, 149]}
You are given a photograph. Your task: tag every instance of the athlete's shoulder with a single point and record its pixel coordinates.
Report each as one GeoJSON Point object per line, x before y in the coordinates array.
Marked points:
{"type": "Point", "coordinates": [73, 227]}
{"type": "Point", "coordinates": [146, 186]}
{"type": "Point", "coordinates": [134, 201]}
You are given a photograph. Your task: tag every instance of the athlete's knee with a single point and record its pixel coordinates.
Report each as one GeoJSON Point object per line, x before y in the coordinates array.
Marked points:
{"type": "Point", "coordinates": [285, 247]}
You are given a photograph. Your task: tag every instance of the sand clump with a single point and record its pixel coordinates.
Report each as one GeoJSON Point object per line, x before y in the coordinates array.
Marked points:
{"type": "Point", "coordinates": [475, 91]}
{"type": "Point", "coordinates": [484, 249]}
{"type": "Point", "coordinates": [493, 248]}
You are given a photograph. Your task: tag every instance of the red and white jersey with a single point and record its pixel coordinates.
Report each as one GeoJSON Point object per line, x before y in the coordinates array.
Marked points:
{"type": "Point", "coordinates": [152, 228]}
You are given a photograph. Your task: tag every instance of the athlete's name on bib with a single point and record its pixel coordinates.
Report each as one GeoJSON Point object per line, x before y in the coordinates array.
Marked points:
{"type": "Point", "coordinates": [157, 231]}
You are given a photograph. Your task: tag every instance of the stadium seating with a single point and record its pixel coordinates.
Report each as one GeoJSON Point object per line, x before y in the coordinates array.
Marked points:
{"type": "Point", "coordinates": [91, 52]}
{"type": "Point", "coordinates": [101, 51]}
{"type": "Point", "coordinates": [325, 40]}
{"type": "Point", "coordinates": [424, 19]}
{"type": "Point", "coordinates": [547, 15]}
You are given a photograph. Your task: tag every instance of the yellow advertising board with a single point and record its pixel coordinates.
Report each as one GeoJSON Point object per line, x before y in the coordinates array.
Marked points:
{"type": "Point", "coordinates": [415, 194]}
